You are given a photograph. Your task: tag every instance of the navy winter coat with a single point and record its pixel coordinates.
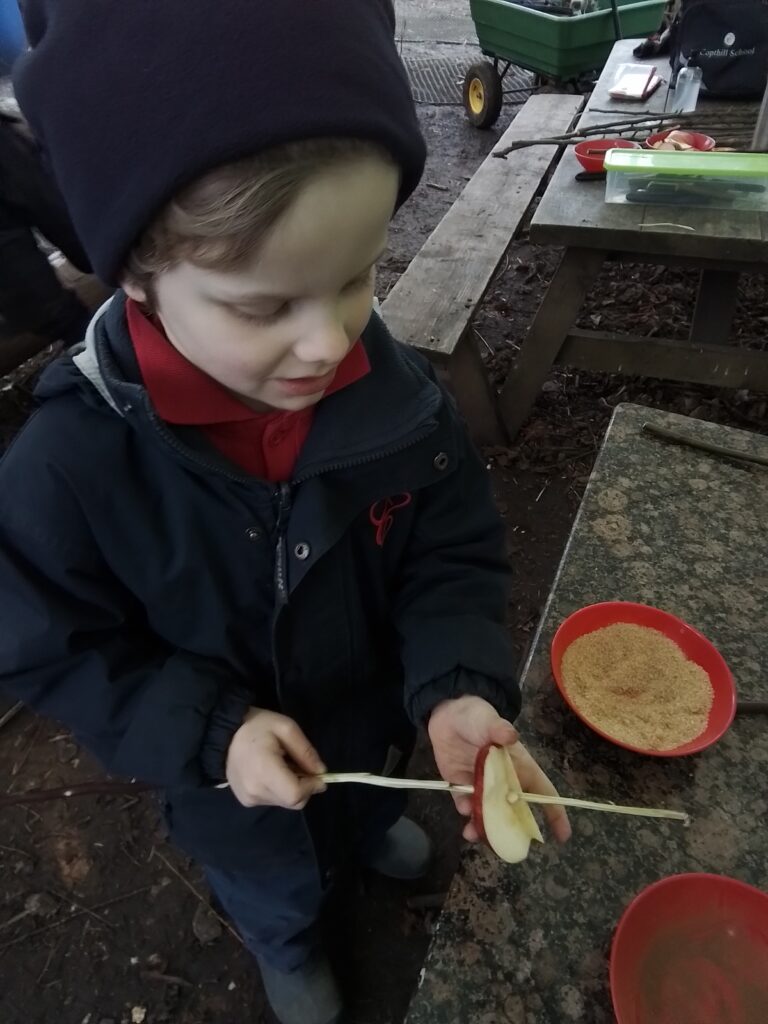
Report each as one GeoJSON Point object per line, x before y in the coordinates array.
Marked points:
{"type": "Point", "coordinates": [151, 590]}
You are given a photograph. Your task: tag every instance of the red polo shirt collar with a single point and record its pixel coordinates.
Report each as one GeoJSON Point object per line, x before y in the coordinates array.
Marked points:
{"type": "Point", "coordinates": [265, 444]}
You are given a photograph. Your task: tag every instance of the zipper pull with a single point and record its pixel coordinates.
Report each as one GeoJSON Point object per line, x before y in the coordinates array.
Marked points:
{"type": "Point", "coordinates": [281, 553]}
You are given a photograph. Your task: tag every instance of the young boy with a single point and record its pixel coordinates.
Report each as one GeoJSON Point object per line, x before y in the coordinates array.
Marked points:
{"type": "Point", "coordinates": [246, 537]}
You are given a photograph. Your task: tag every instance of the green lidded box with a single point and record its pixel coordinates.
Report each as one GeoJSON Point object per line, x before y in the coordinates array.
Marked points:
{"type": "Point", "coordinates": [717, 181]}
{"type": "Point", "coordinates": [562, 47]}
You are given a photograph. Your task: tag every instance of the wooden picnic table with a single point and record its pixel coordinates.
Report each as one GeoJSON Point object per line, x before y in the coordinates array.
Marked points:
{"type": "Point", "coordinates": [574, 215]}
{"type": "Point", "coordinates": [683, 530]}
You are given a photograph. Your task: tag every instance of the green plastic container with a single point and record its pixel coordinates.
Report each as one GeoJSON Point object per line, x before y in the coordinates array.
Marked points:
{"type": "Point", "coordinates": [719, 181]}
{"type": "Point", "coordinates": [561, 47]}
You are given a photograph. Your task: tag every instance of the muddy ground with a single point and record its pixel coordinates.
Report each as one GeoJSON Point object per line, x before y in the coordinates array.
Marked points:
{"type": "Point", "coordinates": [101, 922]}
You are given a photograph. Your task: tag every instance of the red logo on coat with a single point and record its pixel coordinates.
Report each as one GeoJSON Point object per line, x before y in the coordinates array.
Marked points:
{"type": "Point", "coordinates": [382, 514]}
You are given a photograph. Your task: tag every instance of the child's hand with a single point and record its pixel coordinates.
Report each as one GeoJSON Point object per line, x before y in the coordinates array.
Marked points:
{"type": "Point", "coordinates": [458, 729]}
{"type": "Point", "coordinates": [263, 759]}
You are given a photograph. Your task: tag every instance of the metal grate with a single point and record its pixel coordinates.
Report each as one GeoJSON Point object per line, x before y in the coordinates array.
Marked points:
{"type": "Point", "coordinates": [438, 80]}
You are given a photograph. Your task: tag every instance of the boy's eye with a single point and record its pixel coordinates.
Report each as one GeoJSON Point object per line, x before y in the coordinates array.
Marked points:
{"type": "Point", "coordinates": [261, 318]}
{"type": "Point", "coordinates": [270, 318]}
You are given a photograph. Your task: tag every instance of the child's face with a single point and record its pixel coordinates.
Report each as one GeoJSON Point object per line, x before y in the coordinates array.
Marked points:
{"type": "Point", "coordinates": [274, 331]}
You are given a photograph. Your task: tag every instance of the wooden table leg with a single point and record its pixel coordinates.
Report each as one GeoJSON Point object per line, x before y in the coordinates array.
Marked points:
{"type": "Point", "coordinates": [557, 314]}
{"type": "Point", "coordinates": [715, 307]}
{"type": "Point", "coordinates": [468, 379]}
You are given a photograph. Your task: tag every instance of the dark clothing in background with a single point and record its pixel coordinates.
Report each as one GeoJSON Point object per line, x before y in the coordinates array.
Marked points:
{"type": "Point", "coordinates": [32, 299]}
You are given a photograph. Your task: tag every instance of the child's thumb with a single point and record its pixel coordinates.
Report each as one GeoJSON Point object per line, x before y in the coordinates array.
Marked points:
{"type": "Point", "coordinates": [503, 733]}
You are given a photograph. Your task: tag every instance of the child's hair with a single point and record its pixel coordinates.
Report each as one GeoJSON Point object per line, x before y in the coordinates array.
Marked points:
{"type": "Point", "coordinates": [220, 220]}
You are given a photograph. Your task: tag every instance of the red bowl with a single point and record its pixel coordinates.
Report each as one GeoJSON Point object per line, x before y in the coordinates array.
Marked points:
{"type": "Point", "coordinates": [704, 143]}
{"type": "Point", "coordinates": [692, 949]}
{"type": "Point", "coordinates": [596, 163]}
{"type": "Point", "coordinates": [694, 645]}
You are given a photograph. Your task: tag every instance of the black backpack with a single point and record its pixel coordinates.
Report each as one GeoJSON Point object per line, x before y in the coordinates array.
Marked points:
{"type": "Point", "coordinates": [728, 40]}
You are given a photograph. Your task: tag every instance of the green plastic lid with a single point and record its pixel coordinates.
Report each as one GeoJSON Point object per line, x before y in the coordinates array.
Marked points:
{"type": "Point", "coordinates": [718, 165]}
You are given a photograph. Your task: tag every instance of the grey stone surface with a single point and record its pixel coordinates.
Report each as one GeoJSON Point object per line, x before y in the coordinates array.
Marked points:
{"type": "Point", "coordinates": [686, 531]}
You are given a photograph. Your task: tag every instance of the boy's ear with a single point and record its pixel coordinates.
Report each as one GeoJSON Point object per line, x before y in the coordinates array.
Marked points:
{"type": "Point", "coordinates": [133, 290]}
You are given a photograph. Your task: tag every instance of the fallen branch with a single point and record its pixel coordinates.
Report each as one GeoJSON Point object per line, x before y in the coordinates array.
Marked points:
{"type": "Point", "coordinates": [168, 979]}
{"type": "Point", "coordinates": [11, 713]}
{"type": "Point", "coordinates": [34, 796]}
{"type": "Point", "coordinates": [222, 921]}
{"type": "Point", "coordinates": [72, 916]}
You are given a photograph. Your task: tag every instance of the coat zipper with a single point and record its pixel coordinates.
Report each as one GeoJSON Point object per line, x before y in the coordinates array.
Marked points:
{"type": "Point", "coordinates": [382, 453]}
{"type": "Point", "coordinates": [284, 504]}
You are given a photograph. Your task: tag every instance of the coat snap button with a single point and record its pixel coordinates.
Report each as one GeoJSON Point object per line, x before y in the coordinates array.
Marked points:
{"type": "Point", "coordinates": [253, 533]}
{"type": "Point", "coordinates": [441, 461]}
{"type": "Point", "coordinates": [302, 551]}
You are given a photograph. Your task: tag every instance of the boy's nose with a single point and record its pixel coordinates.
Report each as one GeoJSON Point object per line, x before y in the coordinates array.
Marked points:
{"type": "Point", "coordinates": [326, 342]}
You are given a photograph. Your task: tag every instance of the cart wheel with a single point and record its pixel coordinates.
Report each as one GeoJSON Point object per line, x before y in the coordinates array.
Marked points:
{"type": "Point", "coordinates": [483, 95]}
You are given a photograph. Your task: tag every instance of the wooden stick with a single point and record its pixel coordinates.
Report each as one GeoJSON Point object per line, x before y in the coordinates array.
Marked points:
{"type": "Point", "coordinates": [185, 881]}
{"type": "Point", "coordinates": [591, 805]}
{"type": "Point", "coordinates": [34, 796]}
{"type": "Point", "coordinates": [386, 783]}
{"type": "Point", "coordinates": [71, 917]}
{"type": "Point", "coordinates": [530, 798]}
{"type": "Point", "coordinates": [704, 446]}
{"type": "Point", "coordinates": [645, 123]}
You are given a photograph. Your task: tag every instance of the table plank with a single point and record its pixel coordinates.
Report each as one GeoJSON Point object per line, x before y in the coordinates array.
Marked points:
{"type": "Point", "coordinates": [575, 213]}
{"type": "Point", "coordinates": [434, 301]}
{"type": "Point", "coordinates": [673, 527]}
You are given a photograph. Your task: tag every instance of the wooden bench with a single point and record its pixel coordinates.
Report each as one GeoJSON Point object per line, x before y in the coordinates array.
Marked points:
{"type": "Point", "coordinates": [433, 303]}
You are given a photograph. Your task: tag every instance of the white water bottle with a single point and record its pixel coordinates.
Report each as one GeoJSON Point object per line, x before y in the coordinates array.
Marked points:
{"type": "Point", "coordinates": [686, 90]}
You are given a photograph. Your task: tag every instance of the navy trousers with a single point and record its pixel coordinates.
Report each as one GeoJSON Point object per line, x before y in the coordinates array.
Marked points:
{"type": "Point", "coordinates": [272, 869]}
{"type": "Point", "coordinates": [277, 915]}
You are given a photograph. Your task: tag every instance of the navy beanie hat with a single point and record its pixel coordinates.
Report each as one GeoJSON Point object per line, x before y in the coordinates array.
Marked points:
{"type": "Point", "coordinates": [133, 100]}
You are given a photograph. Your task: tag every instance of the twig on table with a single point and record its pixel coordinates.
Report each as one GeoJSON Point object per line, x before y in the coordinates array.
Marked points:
{"type": "Point", "coordinates": [71, 917]}
{"type": "Point", "coordinates": [222, 921]}
{"type": "Point", "coordinates": [436, 186]}
{"type": "Point", "coordinates": [752, 707]}
{"type": "Point", "coordinates": [664, 224]}
{"type": "Point", "coordinates": [647, 124]}
{"type": "Point", "coordinates": [705, 446]}
{"type": "Point", "coordinates": [737, 116]}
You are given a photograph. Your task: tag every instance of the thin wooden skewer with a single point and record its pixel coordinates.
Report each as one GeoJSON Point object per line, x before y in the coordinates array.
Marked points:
{"type": "Point", "coordinates": [530, 798]}
{"type": "Point", "coordinates": [565, 801]}
{"type": "Point", "coordinates": [383, 780]}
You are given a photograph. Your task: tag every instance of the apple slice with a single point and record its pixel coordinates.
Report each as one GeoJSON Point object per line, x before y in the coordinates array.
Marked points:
{"type": "Point", "coordinates": [507, 828]}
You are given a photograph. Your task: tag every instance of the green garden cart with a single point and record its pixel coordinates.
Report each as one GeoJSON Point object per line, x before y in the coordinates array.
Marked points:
{"type": "Point", "coordinates": [561, 46]}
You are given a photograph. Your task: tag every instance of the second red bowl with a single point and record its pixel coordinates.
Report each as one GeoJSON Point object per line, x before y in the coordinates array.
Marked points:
{"type": "Point", "coordinates": [703, 143]}
{"type": "Point", "coordinates": [591, 152]}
